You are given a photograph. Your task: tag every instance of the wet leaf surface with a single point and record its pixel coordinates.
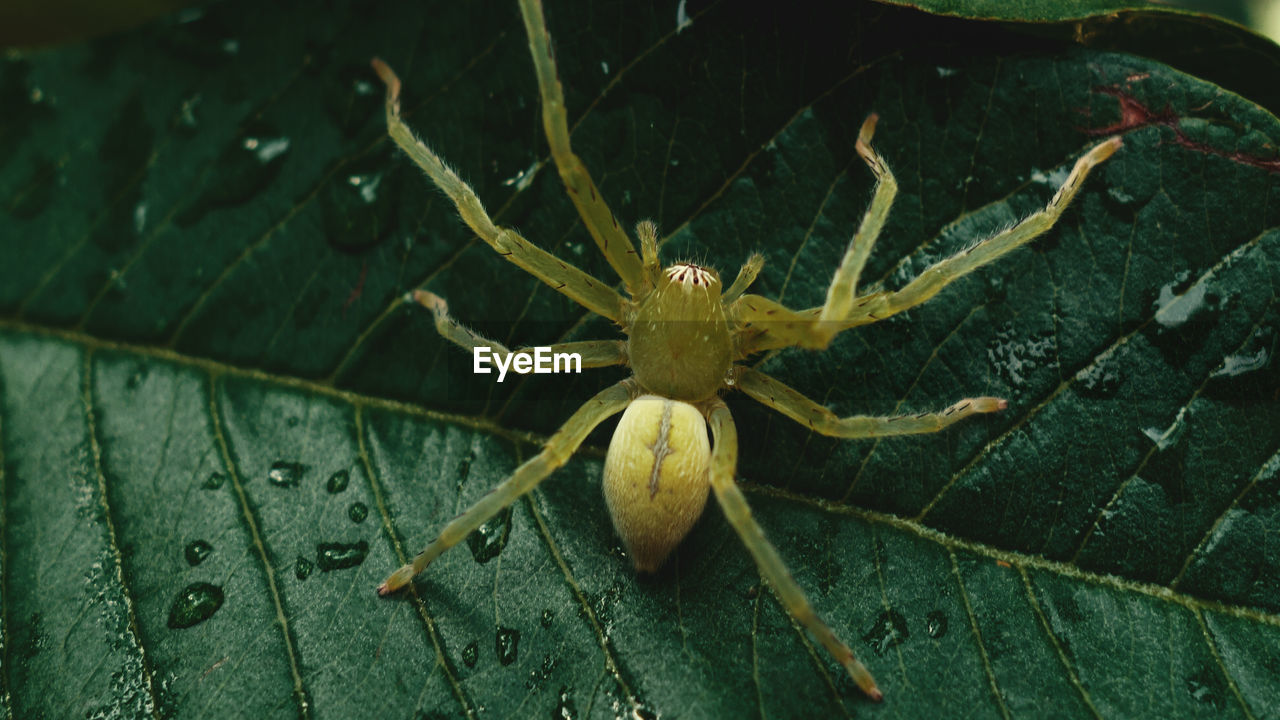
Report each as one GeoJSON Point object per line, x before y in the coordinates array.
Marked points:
{"type": "Point", "coordinates": [221, 426]}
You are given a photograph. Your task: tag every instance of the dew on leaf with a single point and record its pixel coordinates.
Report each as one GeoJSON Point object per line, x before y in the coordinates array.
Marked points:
{"type": "Point", "coordinates": [195, 604]}
{"type": "Point", "coordinates": [214, 481]}
{"type": "Point", "coordinates": [542, 673]}
{"type": "Point", "coordinates": [547, 617]}
{"type": "Point", "coordinates": [338, 481]}
{"type": "Point", "coordinates": [471, 653]}
{"type": "Point", "coordinates": [488, 540]}
{"type": "Point", "coordinates": [339, 556]}
{"type": "Point", "coordinates": [358, 512]}
{"type": "Point", "coordinates": [1174, 308]}
{"type": "Point", "coordinates": [564, 709]}
{"type": "Point", "coordinates": [507, 645]}
{"type": "Point", "coordinates": [936, 624]}
{"type": "Point", "coordinates": [1015, 357]}
{"type": "Point", "coordinates": [246, 167]}
{"type": "Point", "coordinates": [285, 474]}
{"type": "Point", "coordinates": [1101, 379]}
{"type": "Point", "coordinates": [302, 568]}
{"type": "Point", "coordinates": [196, 551]}
{"type": "Point", "coordinates": [890, 629]}
{"type": "Point", "coordinates": [359, 211]}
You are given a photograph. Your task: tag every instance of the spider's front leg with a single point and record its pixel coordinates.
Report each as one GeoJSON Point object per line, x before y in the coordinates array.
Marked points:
{"type": "Point", "coordinates": [776, 326]}
{"type": "Point", "coordinates": [555, 453]}
{"type": "Point", "coordinates": [596, 215]}
{"type": "Point", "coordinates": [724, 460]}
{"type": "Point", "coordinates": [560, 275]}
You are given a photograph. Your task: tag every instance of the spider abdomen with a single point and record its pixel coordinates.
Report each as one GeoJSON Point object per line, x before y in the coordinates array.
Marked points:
{"type": "Point", "coordinates": [655, 477]}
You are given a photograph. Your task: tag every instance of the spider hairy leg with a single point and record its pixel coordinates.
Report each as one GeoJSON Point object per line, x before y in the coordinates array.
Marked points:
{"type": "Point", "coordinates": [796, 406]}
{"type": "Point", "coordinates": [596, 215]}
{"type": "Point", "coordinates": [594, 353]}
{"type": "Point", "coordinates": [841, 292]}
{"type": "Point", "coordinates": [776, 326]}
{"type": "Point", "coordinates": [724, 458]}
{"type": "Point", "coordinates": [563, 277]}
{"type": "Point", "coordinates": [746, 275]}
{"type": "Point", "coordinates": [942, 273]}
{"type": "Point", "coordinates": [554, 454]}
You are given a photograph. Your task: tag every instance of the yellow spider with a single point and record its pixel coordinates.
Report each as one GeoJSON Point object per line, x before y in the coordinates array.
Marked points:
{"type": "Point", "coordinates": [686, 335]}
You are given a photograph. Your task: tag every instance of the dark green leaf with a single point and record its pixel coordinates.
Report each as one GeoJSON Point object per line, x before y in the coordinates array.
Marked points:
{"type": "Point", "coordinates": [202, 345]}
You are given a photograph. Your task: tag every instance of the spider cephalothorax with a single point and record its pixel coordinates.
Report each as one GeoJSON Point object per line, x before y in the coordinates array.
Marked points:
{"type": "Point", "coordinates": [686, 338]}
{"type": "Point", "coordinates": [680, 345]}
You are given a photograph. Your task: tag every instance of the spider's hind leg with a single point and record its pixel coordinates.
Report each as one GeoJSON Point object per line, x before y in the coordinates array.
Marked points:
{"type": "Point", "coordinates": [724, 460]}
{"type": "Point", "coordinates": [525, 478]}
{"type": "Point", "coordinates": [563, 277]}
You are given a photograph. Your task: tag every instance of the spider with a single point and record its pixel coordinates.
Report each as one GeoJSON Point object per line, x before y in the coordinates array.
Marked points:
{"type": "Point", "coordinates": [686, 337]}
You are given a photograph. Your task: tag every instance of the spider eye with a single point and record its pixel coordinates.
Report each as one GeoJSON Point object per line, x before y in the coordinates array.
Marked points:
{"type": "Point", "coordinates": [690, 275]}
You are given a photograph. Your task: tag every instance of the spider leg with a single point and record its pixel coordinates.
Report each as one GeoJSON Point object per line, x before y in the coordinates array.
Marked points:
{"type": "Point", "coordinates": [776, 326]}
{"type": "Point", "coordinates": [600, 221]}
{"type": "Point", "coordinates": [594, 353]}
{"type": "Point", "coordinates": [840, 294]}
{"type": "Point", "coordinates": [939, 275]}
{"type": "Point", "coordinates": [561, 276]}
{"type": "Point", "coordinates": [525, 478]}
{"type": "Point", "coordinates": [724, 458]}
{"type": "Point", "coordinates": [796, 406]}
{"type": "Point", "coordinates": [746, 275]}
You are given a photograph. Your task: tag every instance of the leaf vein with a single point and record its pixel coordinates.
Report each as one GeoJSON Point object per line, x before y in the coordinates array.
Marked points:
{"type": "Point", "coordinates": [397, 546]}
{"type": "Point", "coordinates": [251, 524]}
{"type": "Point", "coordinates": [113, 542]}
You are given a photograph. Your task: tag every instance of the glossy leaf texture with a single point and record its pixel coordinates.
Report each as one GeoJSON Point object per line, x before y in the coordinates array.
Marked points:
{"type": "Point", "coordinates": [222, 425]}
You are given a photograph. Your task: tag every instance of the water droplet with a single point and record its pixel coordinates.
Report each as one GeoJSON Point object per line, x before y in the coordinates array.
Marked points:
{"type": "Point", "coordinates": [358, 512]}
{"type": "Point", "coordinates": [890, 629]}
{"type": "Point", "coordinates": [539, 676]}
{"type": "Point", "coordinates": [936, 624]}
{"type": "Point", "coordinates": [547, 617]}
{"type": "Point", "coordinates": [524, 178]}
{"type": "Point", "coordinates": [339, 556]}
{"type": "Point", "coordinates": [507, 645]}
{"type": "Point", "coordinates": [358, 208]}
{"type": "Point", "coordinates": [196, 551]}
{"type": "Point", "coordinates": [1016, 357]}
{"type": "Point", "coordinates": [1201, 688]}
{"type": "Point", "coordinates": [349, 98]}
{"type": "Point", "coordinates": [214, 481]}
{"type": "Point", "coordinates": [1175, 307]}
{"type": "Point", "coordinates": [247, 166]}
{"type": "Point", "coordinates": [195, 604]}
{"type": "Point", "coordinates": [471, 654]}
{"type": "Point", "coordinates": [1164, 439]}
{"type": "Point", "coordinates": [302, 568]}
{"type": "Point", "coordinates": [488, 540]}
{"type": "Point", "coordinates": [285, 474]}
{"type": "Point", "coordinates": [1120, 195]}
{"type": "Point", "coordinates": [338, 481]}
{"type": "Point", "coordinates": [1101, 379]}
{"type": "Point", "coordinates": [564, 709]}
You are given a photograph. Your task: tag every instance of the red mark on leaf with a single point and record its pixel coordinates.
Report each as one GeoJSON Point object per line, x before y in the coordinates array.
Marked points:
{"type": "Point", "coordinates": [1134, 115]}
{"type": "Point", "coordinates": [357, 290]}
